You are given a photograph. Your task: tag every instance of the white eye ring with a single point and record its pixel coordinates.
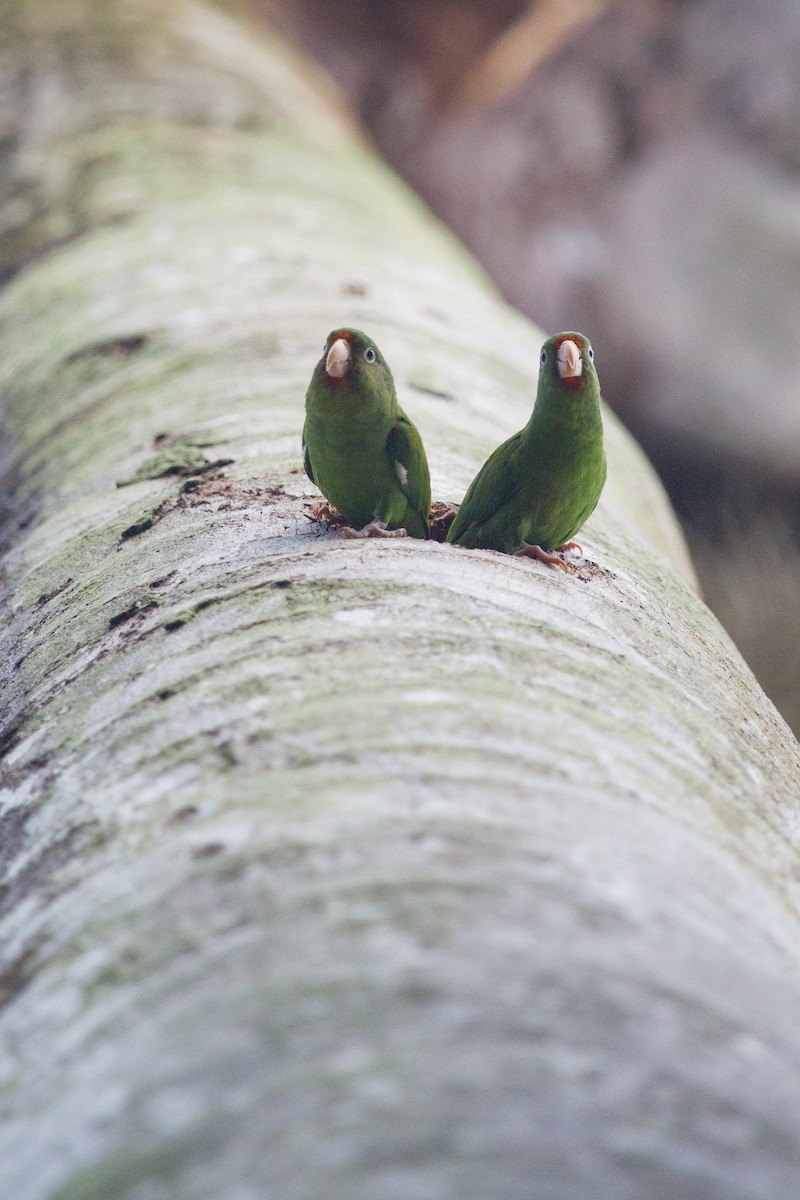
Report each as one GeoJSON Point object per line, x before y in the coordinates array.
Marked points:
{"type": "Point", "coordinates": [543, 357]}
{"type": "Point", "coordinates": [369, 354]}
{"type": "Point", "coordinates": [591, 354]}
{"type": "Point", "coordinates": [325, 348]}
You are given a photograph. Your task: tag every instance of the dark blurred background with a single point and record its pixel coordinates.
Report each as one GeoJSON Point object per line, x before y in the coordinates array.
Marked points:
{"type": "Point", "coordinates": [630, 168]}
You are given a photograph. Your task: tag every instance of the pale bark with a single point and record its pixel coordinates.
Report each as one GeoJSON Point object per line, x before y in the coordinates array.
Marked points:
{"type": "Point", "coordinates": [359, 870]}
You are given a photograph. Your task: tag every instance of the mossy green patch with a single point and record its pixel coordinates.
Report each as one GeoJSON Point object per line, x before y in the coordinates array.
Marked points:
{"type": "Point", "coordinates": [179, 619]}
{"type": "Point", "coordinates": [183, 456]}
{"type": "Point", "coordinates": [127, 1170]}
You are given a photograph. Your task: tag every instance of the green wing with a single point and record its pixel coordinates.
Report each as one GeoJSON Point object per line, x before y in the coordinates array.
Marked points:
{"type": "Point", "coordinates": [407, 454]}
{"type": "Point", "coordinates": [491, 488]}
{"type": "Point", "coordinates": [306, 459]}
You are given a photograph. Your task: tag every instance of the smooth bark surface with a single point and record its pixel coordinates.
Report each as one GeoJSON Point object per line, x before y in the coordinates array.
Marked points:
{"type": "Point", "coordinates": [356, 870]}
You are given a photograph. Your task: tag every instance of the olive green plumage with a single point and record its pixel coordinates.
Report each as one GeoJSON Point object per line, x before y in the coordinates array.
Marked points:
{"type": "Point", "coordinates": [359, 447]}
{"type": "Point", "coordinates": [539, 487]}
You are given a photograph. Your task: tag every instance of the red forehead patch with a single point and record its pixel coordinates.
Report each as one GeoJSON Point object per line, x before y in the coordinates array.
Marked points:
{"type": "Point", "coordinates": [568, 337]}
{"type": "Point", "coordinates": [342, 334]}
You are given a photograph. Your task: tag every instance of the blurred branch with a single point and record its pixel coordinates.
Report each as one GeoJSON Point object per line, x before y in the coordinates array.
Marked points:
{"type": "Point", "coordinates": [537, 35]}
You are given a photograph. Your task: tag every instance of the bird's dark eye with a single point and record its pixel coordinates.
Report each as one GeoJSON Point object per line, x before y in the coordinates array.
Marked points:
{"type": "Point", "coordinates": [543, 357]}
{"type": "Point", "coordinates": [369, 354]}
{"type": "Point", "coordinates": [591, 354]}
{"type": "Point", "coordinates": [325, 348]}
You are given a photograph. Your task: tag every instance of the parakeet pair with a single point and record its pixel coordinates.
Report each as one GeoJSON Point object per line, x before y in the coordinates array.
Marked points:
{"type": "Point", "coordinates": [532, 494]}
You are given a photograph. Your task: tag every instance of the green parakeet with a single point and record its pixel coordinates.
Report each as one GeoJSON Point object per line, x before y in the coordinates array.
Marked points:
{"type": "Point", "coordinates": [536, 490]}
{"type": "Point", "coordinates": [359, 447]}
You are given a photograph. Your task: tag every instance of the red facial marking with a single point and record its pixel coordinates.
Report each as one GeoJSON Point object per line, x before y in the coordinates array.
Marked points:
{"type": "Point", "coordinates": [344, 334]}
{"type": "Point", "coordinates": [568, 337]}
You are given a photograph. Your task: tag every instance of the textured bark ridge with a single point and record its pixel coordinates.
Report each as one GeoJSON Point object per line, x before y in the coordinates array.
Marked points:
{"type": "Point", "coordinates": [357, 870]}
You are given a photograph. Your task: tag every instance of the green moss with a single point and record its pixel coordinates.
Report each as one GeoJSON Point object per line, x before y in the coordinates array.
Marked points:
{"type": "Point", "coordinates": [179, 619]}
{"type": "Point", "coordinates": [129, 1168]}
{"type": "Point", "coordinates": [139, 524]}
{"type": "Point", "coordinates": [182, 457]}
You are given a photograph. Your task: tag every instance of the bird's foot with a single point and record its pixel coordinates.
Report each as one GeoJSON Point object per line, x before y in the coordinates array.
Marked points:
{"type": "Point", "coordinates": [571, 546]}
{"type": "Point", "coordinates": [374, 529]}
{"type": "Point", "coordinates": [526, 550]}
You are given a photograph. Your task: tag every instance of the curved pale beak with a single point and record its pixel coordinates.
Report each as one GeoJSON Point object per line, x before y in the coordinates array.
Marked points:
{"type": "Point", "coordinates": [570, 363]}
{"type": "Point", "coordinates": [338, 360]}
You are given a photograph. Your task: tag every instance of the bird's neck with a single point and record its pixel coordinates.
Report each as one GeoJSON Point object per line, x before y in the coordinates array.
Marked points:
{"type": "Point", "coordinates": [350, 416]}
{"type": "Point", "coordinates": [572, 418]}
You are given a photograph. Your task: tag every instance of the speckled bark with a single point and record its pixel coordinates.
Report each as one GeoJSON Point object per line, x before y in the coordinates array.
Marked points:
{"type": "Point", "coordinates": [356, 870]}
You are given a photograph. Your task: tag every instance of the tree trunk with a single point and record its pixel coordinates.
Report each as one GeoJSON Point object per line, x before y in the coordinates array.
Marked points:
{"type": "Point", "coordinates": [349, 869]}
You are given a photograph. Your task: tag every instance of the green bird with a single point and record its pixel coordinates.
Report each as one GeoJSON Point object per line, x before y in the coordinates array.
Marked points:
{"type": "Point", "coordinates": [535, 491]}
{"type": "Point", "coordinates": [359, 447]}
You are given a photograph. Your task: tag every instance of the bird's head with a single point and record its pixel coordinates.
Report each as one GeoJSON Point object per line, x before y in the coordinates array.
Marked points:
{"type": "Point", "coordinates": [351, 360]}
{"type": "Point", "coordinates": [568, 360]}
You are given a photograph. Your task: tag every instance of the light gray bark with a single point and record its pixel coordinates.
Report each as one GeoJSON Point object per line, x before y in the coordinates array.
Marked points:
{"type": "Point", "coordinates": [356, 870]}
